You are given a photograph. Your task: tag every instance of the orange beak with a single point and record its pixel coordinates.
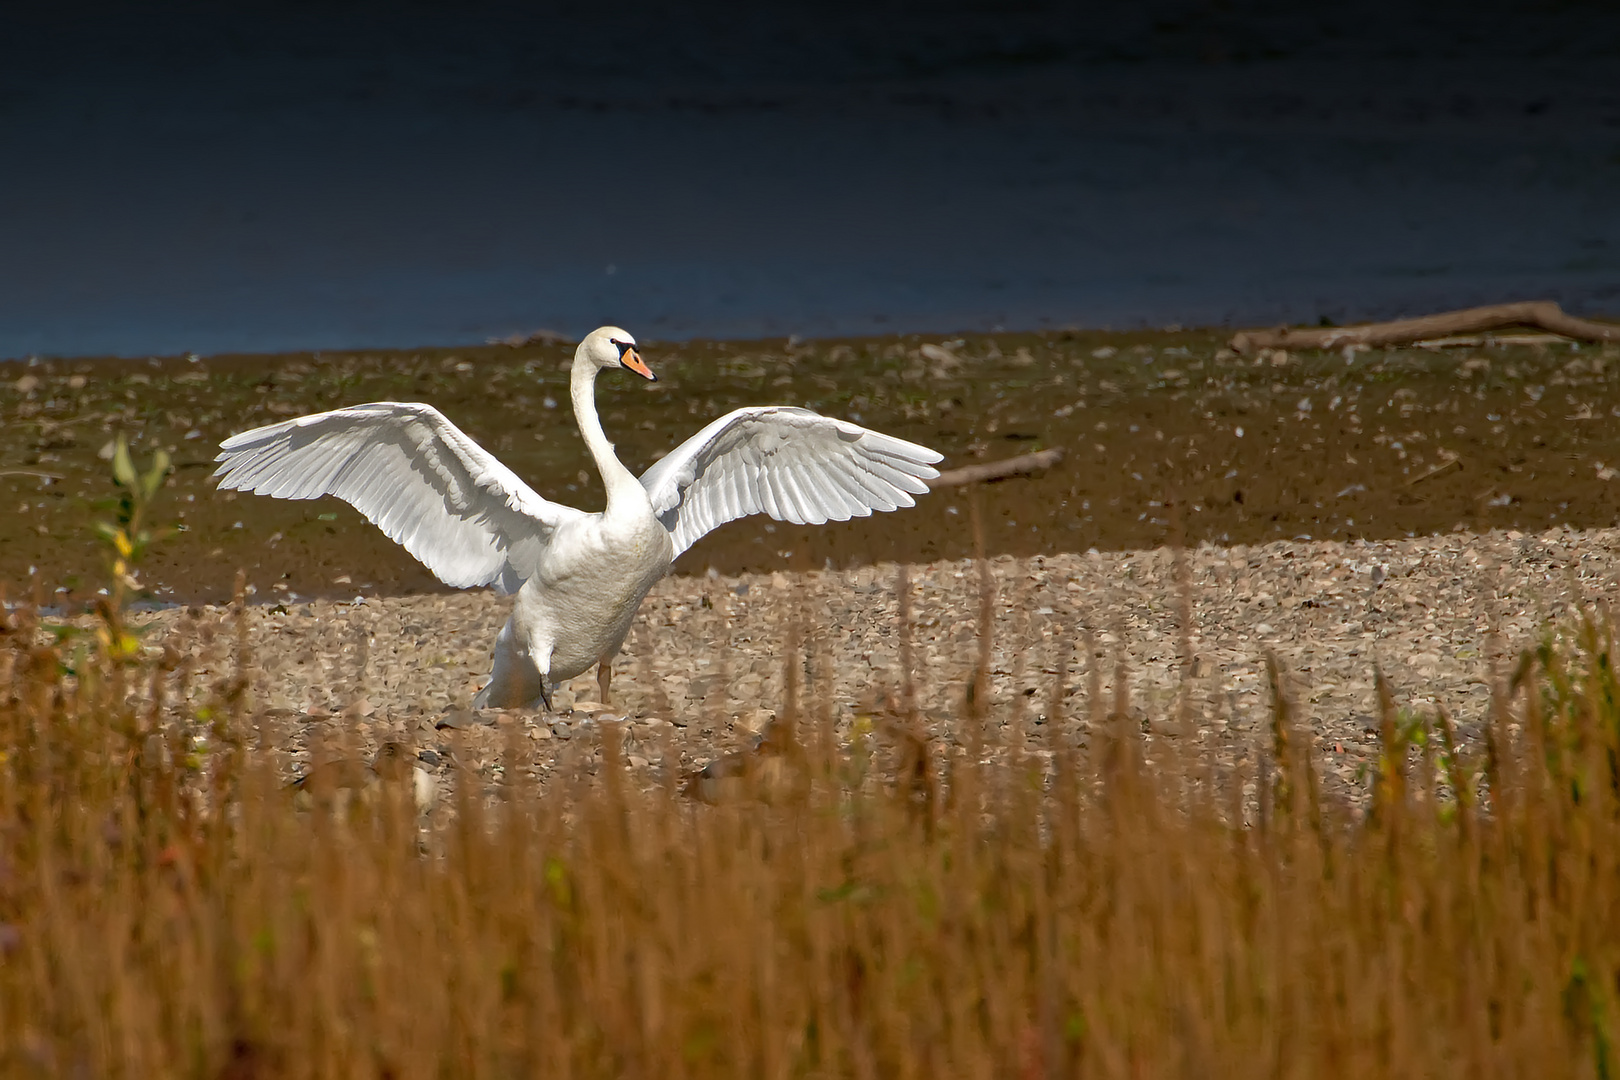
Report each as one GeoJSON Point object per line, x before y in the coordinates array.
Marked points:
{"type": "Point", "coordinates": [632, 360]}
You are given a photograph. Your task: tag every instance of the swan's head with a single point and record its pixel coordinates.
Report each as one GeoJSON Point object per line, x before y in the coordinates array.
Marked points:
{"type": "Point", "coordinates": [610, 347]}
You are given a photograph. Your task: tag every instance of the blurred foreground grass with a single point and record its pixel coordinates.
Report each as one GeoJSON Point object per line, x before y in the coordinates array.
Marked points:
{"type": "Point", "coordinates": [892, 907]}
{"type": "Point", "coordinates": [888, 910]}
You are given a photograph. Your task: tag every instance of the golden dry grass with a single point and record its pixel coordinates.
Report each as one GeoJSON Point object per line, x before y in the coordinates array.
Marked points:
{"type": "Point", "coordinates": [891, 908]}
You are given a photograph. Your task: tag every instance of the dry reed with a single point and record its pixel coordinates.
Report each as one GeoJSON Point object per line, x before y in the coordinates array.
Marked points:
{"type": "Point", "coordinates": [902, 908]}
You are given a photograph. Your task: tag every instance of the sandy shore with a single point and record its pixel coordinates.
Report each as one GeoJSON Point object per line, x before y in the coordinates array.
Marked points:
{"type": "Point", "coordinates": [704, 668]}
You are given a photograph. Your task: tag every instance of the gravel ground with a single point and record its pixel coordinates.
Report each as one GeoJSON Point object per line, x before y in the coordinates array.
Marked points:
{"type": "Point", "coordinates": [704, 669]}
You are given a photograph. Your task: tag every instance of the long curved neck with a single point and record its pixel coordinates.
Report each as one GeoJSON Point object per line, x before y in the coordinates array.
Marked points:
{"type": "Point", "coordinates": [617, 479]}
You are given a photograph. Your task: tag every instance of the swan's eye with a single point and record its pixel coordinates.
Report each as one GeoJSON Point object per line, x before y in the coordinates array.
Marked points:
{"type": "Point", "coordinates": [623, 346]}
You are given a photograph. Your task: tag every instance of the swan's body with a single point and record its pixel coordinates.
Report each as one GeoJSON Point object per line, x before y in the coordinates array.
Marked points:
{"type": "Point", "coordinates": [579, 577]}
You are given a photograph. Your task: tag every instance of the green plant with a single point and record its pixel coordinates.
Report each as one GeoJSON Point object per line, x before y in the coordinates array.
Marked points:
{"type": "Point", "coordinates": [127, 538]}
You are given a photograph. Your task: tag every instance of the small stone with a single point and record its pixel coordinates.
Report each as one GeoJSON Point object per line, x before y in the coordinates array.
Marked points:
{"type": "Point", "coordinates": [456, 719]}
{"type": "Point", "coordinates": [424, 789]}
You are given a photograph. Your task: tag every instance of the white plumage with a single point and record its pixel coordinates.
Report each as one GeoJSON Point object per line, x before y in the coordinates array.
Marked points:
{"type": "Point", "coordinates": [413, 474]}
{"type": "Point", "coordinates": [578, 577]}
{"type": "Point", "coordinates": [793, 464]}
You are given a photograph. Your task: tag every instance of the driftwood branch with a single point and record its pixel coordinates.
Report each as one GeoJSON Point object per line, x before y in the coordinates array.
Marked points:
{"type": "Point", "coordinates": [998, 470]}
{"type": "Point", "coordinates": [1543, 314]}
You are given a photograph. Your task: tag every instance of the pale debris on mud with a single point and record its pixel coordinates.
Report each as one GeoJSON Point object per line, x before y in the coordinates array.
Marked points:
{"type": "Point", "coordinates": [704, 668]}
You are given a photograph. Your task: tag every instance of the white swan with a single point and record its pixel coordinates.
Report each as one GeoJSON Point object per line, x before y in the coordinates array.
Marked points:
{"type": "Point", "coordinates": [579, 577]}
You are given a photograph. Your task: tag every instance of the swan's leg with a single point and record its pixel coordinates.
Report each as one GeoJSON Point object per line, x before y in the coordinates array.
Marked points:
{"type": "Point", "coordinates": [515, 680]}
{"type": "Point", "coordinates": [604, 676]}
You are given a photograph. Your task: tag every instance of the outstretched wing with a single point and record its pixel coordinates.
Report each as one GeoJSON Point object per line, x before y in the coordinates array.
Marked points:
{"type": "Point", "coordinates": [413, 474]}
{"type": "Point", "coordinates": [793, 464]}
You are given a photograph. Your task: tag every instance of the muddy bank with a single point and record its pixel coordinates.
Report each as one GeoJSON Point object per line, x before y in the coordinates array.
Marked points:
{"type": "Point", "coordinates": [1167, 434]}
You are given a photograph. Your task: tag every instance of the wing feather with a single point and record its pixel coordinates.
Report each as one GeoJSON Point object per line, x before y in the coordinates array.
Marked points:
{"type": "Point", "coordinates": [360, 473]}
{"type": "Point", "coordinates": [815, 480]}
{"type": "Point", "coordinates": [804, 508]}
{"type": "Point", "coordinates": [415, 475]}
{"type": "Point", "coordinates": [787, 483]}
{"type": "Point", "coordinates": [774, 504]}
{"type": "Point", "coordinates": [855, 500]}
{"type": "Point", "coordinates": [734, 505]}
{"type": "Point", "coordinates": [728, 498]}
{"type": "Point", "coordinates": [790, 463]}
{"type": "Point", "coordinates": [875, 492]}
{"type": "Point", "coordinates": [849, 502]}
{"type": "Point", "coordinates": [880, 469]}
{"type": "Point", "coordinates": [751, 496]}
{"type": "Point", "coordinates": [813, 503]}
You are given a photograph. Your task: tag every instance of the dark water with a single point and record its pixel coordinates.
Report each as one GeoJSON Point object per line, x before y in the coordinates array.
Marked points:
{"type": "Point", "coordinates": [271, 177]}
